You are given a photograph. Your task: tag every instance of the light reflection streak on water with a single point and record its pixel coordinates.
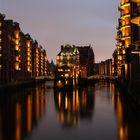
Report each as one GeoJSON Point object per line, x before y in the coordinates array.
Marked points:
{"type": "Point", "coordinates": [21, 114]}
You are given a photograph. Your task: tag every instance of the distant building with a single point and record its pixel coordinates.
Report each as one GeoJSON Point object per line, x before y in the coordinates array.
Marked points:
{"type": "Point", "coordinates": [74, 62]}
{"type": "Point", "coordinates": [67, 62]}
{"type": "Point", "coordinates": [104, 68]}
{"type": "Point", "coordinates": [86, 61]}
{"type": "Point", "coordinates": [51, 68]}
{"type": "Point", "coordinates": [39, 60]}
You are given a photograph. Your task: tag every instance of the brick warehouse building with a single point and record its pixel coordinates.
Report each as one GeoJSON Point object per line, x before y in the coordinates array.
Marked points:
{"type": "Point", "coordinates": [18, 59]}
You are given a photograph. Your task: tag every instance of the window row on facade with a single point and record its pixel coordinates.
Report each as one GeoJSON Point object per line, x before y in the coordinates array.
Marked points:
{"type": "Point", "coordinates": [21, 58]}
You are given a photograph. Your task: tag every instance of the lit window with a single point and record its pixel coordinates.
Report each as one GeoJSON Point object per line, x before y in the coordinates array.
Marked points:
{"type": "Point", "coordinates": [0, 55]}
{"type": "Point", "coordinates": [16, 47]}
{"type": "Point", "coordinates": [17, 41]}
{"type": "Point", "coordinates": [28, 69]}
{"type": "Point", "coordinates": [17, 34]}
{"type": "Point", "coordinates": [17, 58]}
{"type": "Point", "coordinates": [0, 32]}
{"type": "Point", "coordinates": [17, 66]}
{"type": "Point", "coordinates": [0, 24]}
{"type": "Point", "coordinates": [28, 43]}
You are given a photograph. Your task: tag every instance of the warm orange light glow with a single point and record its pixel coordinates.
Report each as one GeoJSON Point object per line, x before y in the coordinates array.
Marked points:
{"type": "Point", "coordinates": [59, 100]}
{"type": "Point", "coordinates": [66, 75]}
{"type": "Point", "coordinates": [28, 43]}
{"type": "Point", "coordinates": [18, 121]}
{"type": "Point", "coordinates": [17, 65]}
{"type": "Point", "coordinates": [17, 58]}
{"type": "Point", "coordinates": [66, 102]}
{"type": "Point", "coordinates": [37, 104]}
{"type": "Point", "coordinates": [28, 69]}
{"type": "Point", "coordinates": [17, 42]}
{"type": "Point", "coordinates": [16, 47]}
{"type": "Point", "coordinates": [29, 114]}
{"type": "Point", "coordinates": [77, 99]}
{"type": "Point", "coordinates": [16, 34]}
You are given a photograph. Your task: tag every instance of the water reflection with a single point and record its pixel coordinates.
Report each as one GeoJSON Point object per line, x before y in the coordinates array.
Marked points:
{"type": "Point", "coordinates": [128, 122]}
{"type": "Point", "coordinates": [97, 111]}
{"type": "Point", "coordinates": [20, 113]}
{"type": "Point", "coordinates": [73, 106]}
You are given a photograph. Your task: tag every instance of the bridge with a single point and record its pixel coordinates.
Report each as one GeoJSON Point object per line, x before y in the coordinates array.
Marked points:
{"type": "Point", "coordinates": [102, 77]}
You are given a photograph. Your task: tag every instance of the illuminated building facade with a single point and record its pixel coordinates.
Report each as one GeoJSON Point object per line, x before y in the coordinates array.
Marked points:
{"type": "Point", "coordinates": [75, 61]}
{"type": "Point", "coordinates": [128, 42]}
{"type": "Point", "coordinates": [19, 61]}
{"type": "Point", "coordinates": [135, 51]}
{"type": "Point", "coordinates": [105, 67]}
{"type": "Point", "coordinates": [124, 38]}
{"type": "Point", "coordinates": [39, 60]}
{"type": "Point", "coordinates": [67, 63]}
{"type": "Point", "coordinates": [35, 59]}
{"type": "Point", "coordinates": [10, 67]}
{"type": "Point", "coordinates": [25, 56]}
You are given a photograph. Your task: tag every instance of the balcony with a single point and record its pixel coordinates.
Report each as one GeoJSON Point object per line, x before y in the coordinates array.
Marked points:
{"type": "Point", "coordinates": [126, 37]}
{"type": "Point", "coordinates": [123, 6]}
{"type": "Point", "coordinates": [136, 16]}
{"type": "Point", "coordinates": [125, 15]}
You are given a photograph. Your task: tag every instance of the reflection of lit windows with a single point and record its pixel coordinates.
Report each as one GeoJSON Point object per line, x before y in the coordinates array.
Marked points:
{"type": "Point", "coordinates": [0, 66]}
{"type": "Point", "coordinates": [0, 32]}
{"type": "Point", "coordinates": [0, 55]}
{"type": "Point", "coordinates": [0, 24]}
{"type": "Point", "coordinates": [0, 39]}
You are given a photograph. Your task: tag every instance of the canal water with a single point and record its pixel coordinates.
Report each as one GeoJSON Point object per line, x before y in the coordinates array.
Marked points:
{"type": "Point", "coordinates": [94, 112]}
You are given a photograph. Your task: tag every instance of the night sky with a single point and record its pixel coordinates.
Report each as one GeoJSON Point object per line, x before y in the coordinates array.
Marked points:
{"type": "Point", "coordinates": [59, 22]}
